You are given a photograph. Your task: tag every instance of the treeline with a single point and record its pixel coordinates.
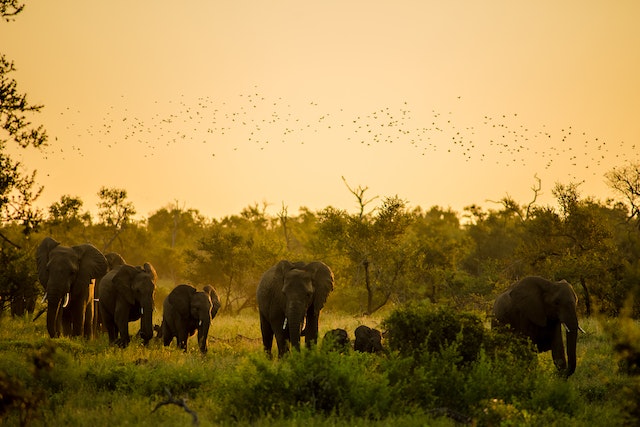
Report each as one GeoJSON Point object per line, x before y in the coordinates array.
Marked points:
{"type": "Point", "coordinates": [388, 254]}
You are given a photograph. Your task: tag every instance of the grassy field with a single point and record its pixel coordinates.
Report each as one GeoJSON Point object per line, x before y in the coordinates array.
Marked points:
{"type": "Point", "coordinates": [74, 382]}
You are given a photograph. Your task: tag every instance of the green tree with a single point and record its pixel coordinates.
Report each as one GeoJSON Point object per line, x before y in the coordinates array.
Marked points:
{"type": "Point", "coordinates": [172, 230]}
{"type": "Point", "coordinates": [17, 187]}
{"type": "Point", "coordinates": [233, 254]}
{"type": "Point", "coordinates": [625, 181]}
{"type": "Point", "coordinates": [115, 213]}
{"type": "Point", "coordinates": [372, 244]}
{"type": "Point", "coordinates": [437, 246]}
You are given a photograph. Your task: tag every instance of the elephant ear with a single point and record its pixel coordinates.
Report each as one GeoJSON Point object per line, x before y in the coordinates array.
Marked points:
{"type": "Point", "coordinates": [215, 299]}
{"type": "Point", "coordinates": [281, 269]}
{"type": "Point", "coordinates": [114, 259]}
{"type": "Point", "coordinates": [125, 274]}
{"type": "Point", "coordinates": [528, 297]}
{"type": "Point", "coordinates": [148, 268]}
{"type": "Point", "coordinates": [92, 264]}
{"type": "Point", "coordinates": [42, 259]}
{"type": "Point", "coordinates": [322, 283]}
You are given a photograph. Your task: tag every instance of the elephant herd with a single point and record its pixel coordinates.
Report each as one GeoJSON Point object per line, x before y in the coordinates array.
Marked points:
{"type": "Point", "coordinates": [87, 291]}
{"type": "Point", "coordinates": [83, 286]}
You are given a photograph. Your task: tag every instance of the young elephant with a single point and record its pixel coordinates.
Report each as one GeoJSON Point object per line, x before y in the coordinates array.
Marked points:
{"type": "Point", "coordinates": [336, 340]}
{"type": "Point", "coordinates": [185, 311]}
{"type": "Point", "coordinates": [127, 294]}
{"type": "Point", "coordinates": [368, 340]}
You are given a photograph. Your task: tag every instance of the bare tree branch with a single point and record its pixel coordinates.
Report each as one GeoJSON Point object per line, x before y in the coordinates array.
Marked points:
{"type": "Point", "coordinates": [178, 402]}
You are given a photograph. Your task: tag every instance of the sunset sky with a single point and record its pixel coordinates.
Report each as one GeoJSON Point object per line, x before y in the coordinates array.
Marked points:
{"type": "Point", "coordinates": [218, 105]}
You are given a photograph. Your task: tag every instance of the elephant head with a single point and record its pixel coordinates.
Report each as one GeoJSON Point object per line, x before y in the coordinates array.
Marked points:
{"type": "Point", "coordinates": [538, 308]}
{"type": "Point", "coordinates": [290, 295]}
{"type": "Point", "coordinates": [136, 287]}
{"type": "Point", "coordinates": [66, 273]}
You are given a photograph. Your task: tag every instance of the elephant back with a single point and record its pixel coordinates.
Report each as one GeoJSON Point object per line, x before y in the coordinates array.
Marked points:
{"type": "Point", "coordinates": [179, 300]}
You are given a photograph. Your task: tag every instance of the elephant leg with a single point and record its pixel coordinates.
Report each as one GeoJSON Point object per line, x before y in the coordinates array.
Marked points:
{"type": "Point", "coordinates": [282, 341]}
{"type": "Point", "coordinates": [167, 335]}
{"type": "Point", "coordinates": [109, 324]}
{"type": "Point", "coordinates": [182, 334]}
{"type": "Point", "coordinates": [121, 317]}
{"type": "Point", "coordinates": [557, 350]}
{"type": "Point", "coordinates": [88, 320]}
{"type": "Point", "coordinates": [67, 321]}
{"type": "Point", "coordinates": [311, 329]}
{"type": "Point", "coordinates": [88, 313]}
{"type": "Point", "coordinates": [267, 334]}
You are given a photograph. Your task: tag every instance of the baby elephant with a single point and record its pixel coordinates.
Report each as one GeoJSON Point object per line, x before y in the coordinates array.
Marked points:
{"type": "Point", "coordinates": [185, 311]}
{"type": "Point", "coordinates": [368, 340]}
{"type": "Point", "coordinates": [336, 340]}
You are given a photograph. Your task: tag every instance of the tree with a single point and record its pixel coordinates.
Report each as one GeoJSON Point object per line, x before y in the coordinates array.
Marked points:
{"type": "Point", "coordinates": [17, 192]}
{"type": "Point", "coordinates": [115, 214]}
{"type": "Point", "coordinates": [233, 254]}
{"type": "Point", "coordinates": [372, 244]}
{"type": "Point", "coordinates": [625, 180]}
{"type": "Point", "coordinates": [172, 230]}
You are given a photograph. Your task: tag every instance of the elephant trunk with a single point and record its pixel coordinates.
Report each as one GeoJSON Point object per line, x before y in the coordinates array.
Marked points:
{"type": "Point", "coordinates": [54, 314]}
{"type": "Point", "coordinates": [146, 323]}
{"type": "Point", "coordinates": [294, 322]}
{"type": "Point", "coordinates": [572, 338]}
{"type": "Point", "coordinates": [571, 324]}
{"type": "Point", "coordinates": [203, 333]}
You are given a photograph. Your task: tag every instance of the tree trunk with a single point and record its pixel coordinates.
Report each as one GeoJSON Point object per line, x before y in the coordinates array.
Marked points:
{"type": "Point", "coordinates": [587, 296]}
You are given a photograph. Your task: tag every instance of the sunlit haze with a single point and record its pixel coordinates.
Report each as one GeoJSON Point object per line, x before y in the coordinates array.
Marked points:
{"type": "Point", "coordinates": [217, 105]}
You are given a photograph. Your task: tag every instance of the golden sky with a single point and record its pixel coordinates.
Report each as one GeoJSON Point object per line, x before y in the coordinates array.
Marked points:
{"type": "Point", "coordinates": [222, 104]}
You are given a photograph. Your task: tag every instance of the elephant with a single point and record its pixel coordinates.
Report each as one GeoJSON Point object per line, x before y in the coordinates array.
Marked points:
{"type": "Point", "coordinates": [288, 295]}
{"type": "Point", "coordinates": [368, 340]}
{"type": "Point", "coordinates": [113, 260]}
{"type": "Point", "coordinates": [336, 340]}
{"type": "Point", "coordinates": [185, 311]}
{"type": "Point", "coordinates": [68, 275]}
{"type": "Point", "coordinates": [127, 294]}
{"type": "Point", "coordinates": [537, 308]}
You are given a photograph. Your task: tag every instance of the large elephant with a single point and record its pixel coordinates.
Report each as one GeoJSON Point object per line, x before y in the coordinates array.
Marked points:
{"type": "Point", "coordinates": [127, 294]}
{"type": "Point", "coordinates": [537, 308]}
{"type": "Point", "coordinates": [67, 275]}
{"type": "Point", "coordinates": [113, 260]}
{"type": "Point", "coordinates": [288, 295]}
{"type": "Point", "coordinates": [185, 312]}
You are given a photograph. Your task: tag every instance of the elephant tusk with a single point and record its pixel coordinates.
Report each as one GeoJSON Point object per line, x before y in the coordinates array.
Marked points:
{"type": "Point", "coordinates": [44, 298]}
{"type": "Point", "coordinates": [566, 328]}
{"type": "Point", "coordinates": [581, 330]}
{"type": "Point", "coordinates": [142, 310]}
{"type": "Point", "coordinates": [200, 323]}
{"type": "Point", "coordinates": [284, 325]}
{"type": "Point", "coordinates": [66, 300]}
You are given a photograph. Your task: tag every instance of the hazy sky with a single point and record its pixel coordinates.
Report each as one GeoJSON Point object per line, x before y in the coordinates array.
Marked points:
{"type": "Point", "coordinates": [221, 104]}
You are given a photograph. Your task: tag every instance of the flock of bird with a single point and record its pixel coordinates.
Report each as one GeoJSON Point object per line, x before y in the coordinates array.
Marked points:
{"type": "Point", "coordinates": [256, 121]}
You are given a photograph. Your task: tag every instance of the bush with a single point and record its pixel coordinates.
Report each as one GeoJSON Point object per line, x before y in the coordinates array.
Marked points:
{"type": "Point", "coordinates": [309, 382]}
{"type": "Point", "coordinates": [424, 327]}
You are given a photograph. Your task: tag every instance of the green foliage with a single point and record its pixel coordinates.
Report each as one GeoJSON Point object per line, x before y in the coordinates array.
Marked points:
{"type": "Point", "coordinates": [82, 382]}
{"type": "Point", "coordinates": [310, 382]}
{"type": "Point", "coordinates": [419, 328]}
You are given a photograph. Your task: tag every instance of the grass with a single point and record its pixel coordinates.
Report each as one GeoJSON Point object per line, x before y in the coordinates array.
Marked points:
{"type": "Point", "coordinates": [78, 382]}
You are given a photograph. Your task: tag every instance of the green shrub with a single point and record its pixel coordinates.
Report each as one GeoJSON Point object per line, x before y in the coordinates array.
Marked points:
{"type": "Point", "coordinates": [309, 381]}
{"type": "Point", "coordinates": [424, 327]}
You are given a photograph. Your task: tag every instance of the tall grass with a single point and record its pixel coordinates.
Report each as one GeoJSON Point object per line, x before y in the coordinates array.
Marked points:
{"type": "Point", "coordinates": [77, 382]}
